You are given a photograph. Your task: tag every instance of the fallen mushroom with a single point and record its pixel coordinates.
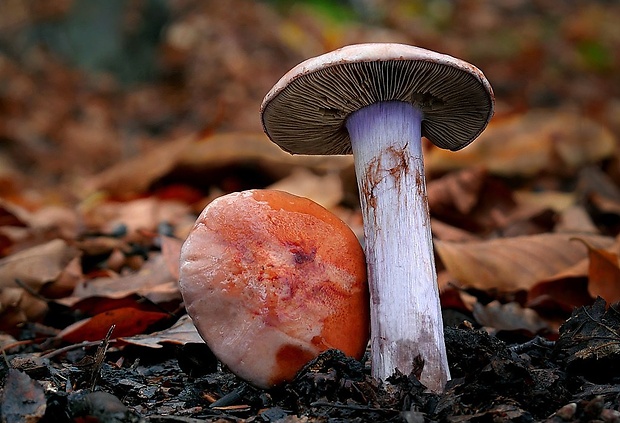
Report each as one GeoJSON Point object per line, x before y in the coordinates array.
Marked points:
{"type": "Point", "coordinates": [375, 101]}
{"type": "Point", "coordinates": [271, 280]}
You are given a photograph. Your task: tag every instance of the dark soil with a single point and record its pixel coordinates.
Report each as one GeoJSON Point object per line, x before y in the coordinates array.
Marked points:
{"type": "Point", "coordinates": [573, 379]}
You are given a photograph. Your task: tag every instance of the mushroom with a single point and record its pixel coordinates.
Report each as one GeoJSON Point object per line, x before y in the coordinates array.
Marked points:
{"type": "Point", "coordinates": [376, 101]}
{"type": "Point", "coordinates": [270, 280]}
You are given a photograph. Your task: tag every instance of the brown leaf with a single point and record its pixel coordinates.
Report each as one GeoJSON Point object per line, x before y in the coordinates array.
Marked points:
{"type": "Point", "coordinates": [18, 306]}
{"type": "Point", "coordinates": [448, 232]}
{"type": "Point", "coordinates": [563, 291]}
{"type": "Point", "coordinates": [11, 215]}
{"type": "Point", "coordinates": [128, 321]}
{"type": "Point", "coordinates": [38, 265]}
{"type": "Point", "coordinates": [528, 144]}
{"type": "Point", "coordinates": [575, 219]}
{"type": "Point", "coordinates": [603, 274]}
{"type": "Point", "coordinates": [510, 316]}
{"type": "Point", "coordinates": [23, 399]}
{"type": "Point", "coordinates": [135, 175]}
{"type": "Point", "coordinates": [324, 189]}
{"type": "Point", "coordinates": [226, 149]}
{"type": "Point", "coordinates": [458, 191]}
{"type": "Point", "coordinates": [513, 264]}
{"type": "Point", "coordinates": [182, 332]}
{"type": "Point", "coordinates": [154, 281]}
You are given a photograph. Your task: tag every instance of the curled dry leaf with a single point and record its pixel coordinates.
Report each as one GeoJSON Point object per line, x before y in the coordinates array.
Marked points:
{"type": "Point", "coordinates": [36, 266]}
{"type": "Point", "coordinates": [154, 281]}
{"type": "Point", "coordinates": [603, 273]}
{"type": "Point", "coordinates": [459, 191]}
{"type": "Point", "coordinates": [575, 219]}
{"type": "Point", "coordinates": [528, 144]}
{"type": "Point", "coordinates": [448, 232]}
{"type": "Point", "coordinates": [137, 174]}
{"type": "Point", "coordinates": [596, 275]}
{"type": "Point", "coordinates": [11, 214]}
{"type": "Point", "coordinates": [127, 321]}
{"type": "Point", "coordinates": [226, 149]}
{"type": "Point", "coordinates": [181, 333]}
{"type": "Point", "coordinates": [22, 228]}
{"type": "Point", "coordinates": [508, 317]}
{"type": "Point", "coordinates": [563, 291]}
{"type": "Point", "coordinates": [513, 264]}
{"type": "Point", "coordinates": [49, 269]}
{"type": "Point", "coordinates": [18, 306]}
{"type": "Point", "coordinates": [23, 399]}
{"type": "Point", "coordinates": [323, 189]}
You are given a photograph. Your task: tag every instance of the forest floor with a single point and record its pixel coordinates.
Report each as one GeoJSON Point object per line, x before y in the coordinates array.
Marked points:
{"type": "Point", "coordinates": [111, 146]}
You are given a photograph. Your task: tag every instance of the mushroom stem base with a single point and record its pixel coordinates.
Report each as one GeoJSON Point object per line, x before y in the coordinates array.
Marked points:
{"type": "Point", "coordinates": [406, 321]}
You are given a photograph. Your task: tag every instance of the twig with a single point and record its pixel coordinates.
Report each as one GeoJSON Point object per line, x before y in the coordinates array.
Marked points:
{"type": "Point", "coordinates": [99, 357]}
{"type": "Point", "coordinates": [353, 407]}
{"type": "Point", "coordinates": [73, 347]}
{"type": "Point", "coordinates": [534, 342]}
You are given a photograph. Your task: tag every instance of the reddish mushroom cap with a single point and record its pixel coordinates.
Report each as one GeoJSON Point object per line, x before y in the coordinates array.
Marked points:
{"type": "Point", "coordinates": [271, 280]}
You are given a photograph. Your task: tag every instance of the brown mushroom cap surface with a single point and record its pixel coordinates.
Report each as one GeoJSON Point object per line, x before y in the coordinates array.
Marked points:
{"type": "Point", "coordinates": [305, 112]}
{"type": "Point", "coordinates": [271, 280]}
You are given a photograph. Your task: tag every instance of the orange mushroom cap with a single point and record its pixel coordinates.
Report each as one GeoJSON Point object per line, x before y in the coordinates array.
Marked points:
{"type": "Point", "coordinates": [271, 280]}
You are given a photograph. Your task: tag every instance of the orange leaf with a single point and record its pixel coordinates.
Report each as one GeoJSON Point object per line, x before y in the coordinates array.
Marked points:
{"type": "Point", "coordinates": [128, 321]}
{"type": "Point", "coordinates": [603, 274]}
{"type": "Point", "coordinates": [513, 264]}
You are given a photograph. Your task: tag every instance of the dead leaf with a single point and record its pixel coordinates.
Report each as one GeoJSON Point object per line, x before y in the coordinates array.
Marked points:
{"type": "Point", "coordinates": [575, 219]}
{"type": "Point", "coordinates": [182, 332]}
{"type": "Point", "coordinates": [99, 245]}
{"type": "Point", "coordinates": [225, 149]}
{"type": "Point", "coordinates": [508, 317]}
{"type": "Point", "coordinates": [323, 189]}
{"type": "Point", "coordinates": [458, 191]}
{"type": "Point", "coordinates": [593, 181]}
{"type": "Point", "coordinates": [512, 264]}
{"type": "Point", "coordinates": [603, 273]}
{"type": "Point", "coordinates": [590, 341]}
{"type": "Point", "coordinates": [527, 144]}
{"type": "Point", "coordinates": [11, 214]}
{"type": "Point", "coordinates": [557, 298]}
{"type": "Point", "coordinates": [128, 322]}
{"type": "Point", "coordinates": [446, 232]}
{"type": "Point", "coordinates": [38, 265]}
{"type": "Point", "coordinates": [554, 200]}
{"type": "Point", "coordinates": [563, 291]}
{"type": "Point", "coordinates": [17, 306]}
{"type": "Point", "coordinates": [91, 306]}
{"type": "Point", "coordinates": [137, 174]}
{"type": "Point", "coordinates": [153, 281]}
{"type": "Point", "coordinates": [23, 399]}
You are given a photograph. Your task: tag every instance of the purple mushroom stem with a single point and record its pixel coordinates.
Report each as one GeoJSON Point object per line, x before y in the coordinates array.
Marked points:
{"type": "Point", "coordinates": [405, 314]}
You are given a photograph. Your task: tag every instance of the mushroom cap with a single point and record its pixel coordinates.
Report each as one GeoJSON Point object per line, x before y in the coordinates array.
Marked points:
{"type": "Point", "coordinates": [270, 280]}
{"type": "Point", "coordinates": [305, 112]}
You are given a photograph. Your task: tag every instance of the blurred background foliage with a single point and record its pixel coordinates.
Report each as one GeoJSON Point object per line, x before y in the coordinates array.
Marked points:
{"type": "Point", "coordinates": [119, 75]}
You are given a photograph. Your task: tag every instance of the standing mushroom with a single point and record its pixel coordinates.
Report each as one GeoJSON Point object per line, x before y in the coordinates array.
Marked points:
{"type": "Point", "coordinates": [376, 101]}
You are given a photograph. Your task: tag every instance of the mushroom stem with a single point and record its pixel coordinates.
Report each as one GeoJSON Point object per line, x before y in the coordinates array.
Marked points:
{"type": "Point", "coordinates": [405, 310]}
